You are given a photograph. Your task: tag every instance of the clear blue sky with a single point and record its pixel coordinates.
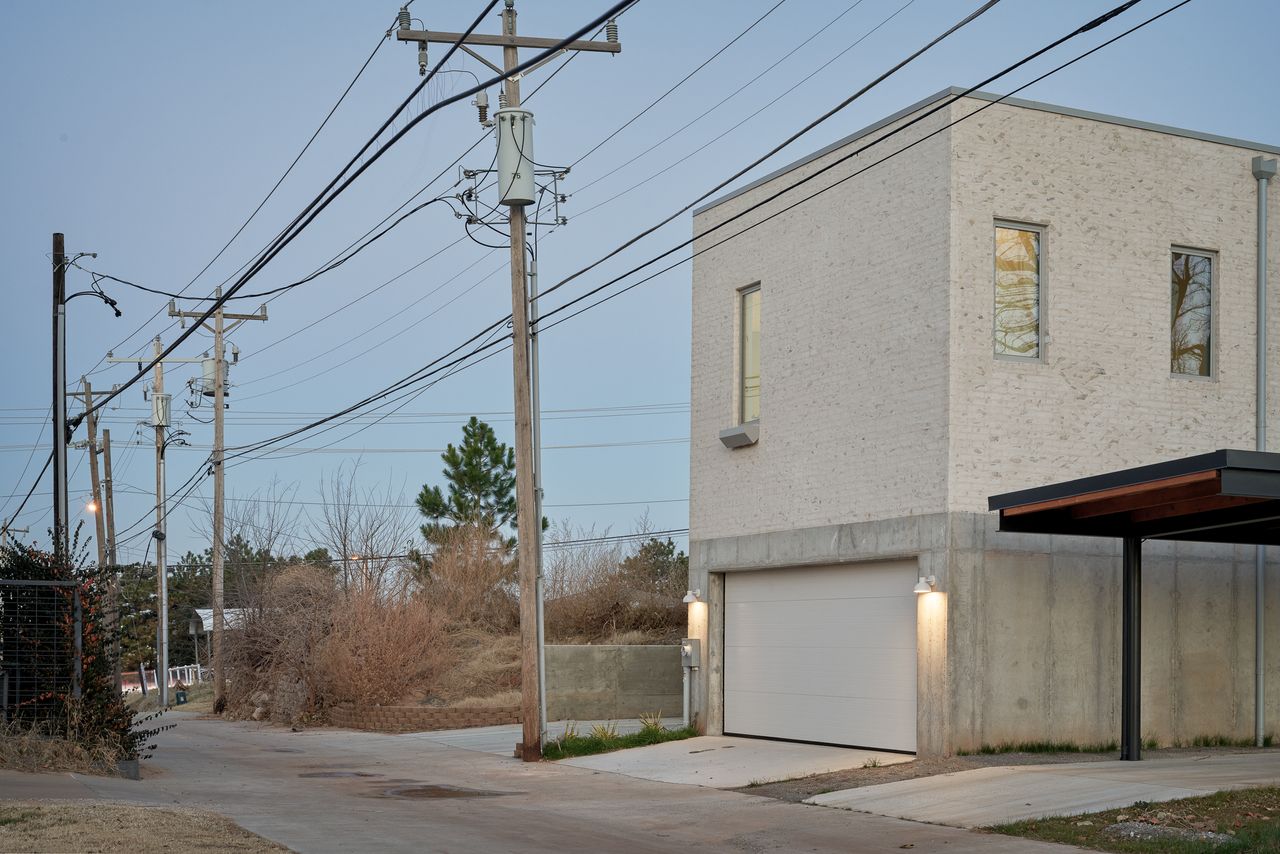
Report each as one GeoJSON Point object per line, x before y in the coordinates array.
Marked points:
{"type": "Point", "coordinates": [148, 131]}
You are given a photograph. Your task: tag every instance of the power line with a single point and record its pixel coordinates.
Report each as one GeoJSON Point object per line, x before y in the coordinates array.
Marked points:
{"type": "Point", "coordinates": [1101, 19]}
{"type": "Point", "coordinates": [680, 83]}
{"type": "Point", "coordinates": [981, 10]}
{"type": "Point", "coordinates": [270, 193]}
{"type": "Point", "coordinates": [338, 185]}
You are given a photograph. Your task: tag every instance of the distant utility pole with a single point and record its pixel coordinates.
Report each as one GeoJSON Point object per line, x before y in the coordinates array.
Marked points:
{"type": "Point", "coordinates": [6, 530]}
{"type": "Point", "coordinates": [516, 189]}
{"type": "Point", "coordinates": [113, 595]}
{"type": "Point", "coordinates": [60, 437]}
{"type": "Point", "coordinates": [218, 367]}
{"type": "Point", "coordinates": [86, 395]}
{"type": "Point", "coordinates": [161, 408]}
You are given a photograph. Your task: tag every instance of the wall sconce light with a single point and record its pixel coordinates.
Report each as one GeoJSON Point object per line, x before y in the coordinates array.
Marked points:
{"type": "Point", "coordinates": [692, 596]}
{"type": "Point", "coordinates": [926, 584]}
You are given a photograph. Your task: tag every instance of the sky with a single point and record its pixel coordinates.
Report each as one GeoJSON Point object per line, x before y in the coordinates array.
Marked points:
{"type": "Point", "coordinates": [148, 132]}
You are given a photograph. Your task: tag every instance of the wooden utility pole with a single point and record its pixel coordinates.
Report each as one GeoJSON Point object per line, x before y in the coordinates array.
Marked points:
{"type": "Point", "coordinates": [113, 594]}
{"type": "Point", "coordinates": [91, 425]}
{"type": "Point", "coordinates": [220, 330]}
{"type": "Point", "coordinates": [527, 504]}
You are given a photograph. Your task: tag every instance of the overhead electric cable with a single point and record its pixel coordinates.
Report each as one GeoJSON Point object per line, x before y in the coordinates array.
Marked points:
{"type": "Point", "coordinates": [329, 194]}
{"type": "Point", "coordinates": [971, 17]}
{"type": "Point", "coordinates": [944, 103]}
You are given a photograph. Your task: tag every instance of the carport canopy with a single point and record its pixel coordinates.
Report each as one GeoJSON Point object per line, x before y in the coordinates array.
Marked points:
{"type": "Point", "coordinates": [1226, 496]}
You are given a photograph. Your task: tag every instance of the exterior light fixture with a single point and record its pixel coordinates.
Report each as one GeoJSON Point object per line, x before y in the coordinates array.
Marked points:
{"type": "Point", "coordinates": [91, 507]}
{"type": "Point", "coordinates": [926, 584]}
{"type": "Point", "coordinates": [692, 596]}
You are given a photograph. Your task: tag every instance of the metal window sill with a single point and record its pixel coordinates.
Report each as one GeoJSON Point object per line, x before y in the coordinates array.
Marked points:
{"type": "Point", "coordinates": [741, 435]}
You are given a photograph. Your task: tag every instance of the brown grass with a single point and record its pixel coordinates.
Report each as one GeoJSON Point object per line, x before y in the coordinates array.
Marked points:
{"type": "Point", "coordinates": [107, 827]}
{"type": "Point", "coordinates": [37, 747]}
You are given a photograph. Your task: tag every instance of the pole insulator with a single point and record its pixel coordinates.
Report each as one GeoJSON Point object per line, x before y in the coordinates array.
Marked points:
{"type": "Point", "coordinates": [403, 18]}
{"type": "Point", "coordinates": [611, 30]}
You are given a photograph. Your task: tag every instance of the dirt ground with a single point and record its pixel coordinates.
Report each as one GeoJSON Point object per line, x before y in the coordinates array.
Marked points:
{"type": "Point", "coordinates": [47, 826]}
{"type": "Point", "coordinates": [806, 787]}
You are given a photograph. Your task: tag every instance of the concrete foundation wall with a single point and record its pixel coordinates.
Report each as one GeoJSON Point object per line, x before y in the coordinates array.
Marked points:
{"type": "Point", "coordinates": [599, 682]}
{"type": "Point", "coordinates": [1034, 639]}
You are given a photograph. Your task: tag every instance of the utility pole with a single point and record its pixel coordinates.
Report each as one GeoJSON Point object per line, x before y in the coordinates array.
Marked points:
{"type": "Point", "coordinates": [219, 380]}
{"type": "Point", "coordinates": [6, 530]}
{"type": "Point", "coordinates": [161, 408]}
{"type": "Point", "coordinates": [515, 160]}
{"type": "Point", "coordinates": [86, 395]}
{"type": "Point", "coordinates": [60, 438]}
{"type": "Point", "coordinates": [109, 519]}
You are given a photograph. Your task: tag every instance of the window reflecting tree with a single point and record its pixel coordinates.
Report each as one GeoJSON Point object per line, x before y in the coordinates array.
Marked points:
{"type": "Point", "coordinates": [1191, 314]}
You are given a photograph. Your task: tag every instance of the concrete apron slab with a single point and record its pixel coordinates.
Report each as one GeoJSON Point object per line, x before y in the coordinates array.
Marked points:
{"type": "Point", "coordinates": [988, 796]}
{"type": "Point", "coordinates": [727, 762]}
{"type": "Point", "coordinates": [501, 740]}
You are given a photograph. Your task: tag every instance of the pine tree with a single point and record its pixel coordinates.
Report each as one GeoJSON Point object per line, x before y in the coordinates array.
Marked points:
{"type": "Point", "coordinates": [481, 479]}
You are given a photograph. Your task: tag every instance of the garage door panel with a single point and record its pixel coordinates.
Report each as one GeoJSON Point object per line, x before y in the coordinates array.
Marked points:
{"type": "Point", "coordinates": [848, 582]}
{"type": "Point", "coordinates": [872, 624]}
{"type": "Point", "coordinates": [823, 654]}
{"type": "Point", "coordinates": [887, 725]}
{"type": "Point", "coordinates": [810, 672]}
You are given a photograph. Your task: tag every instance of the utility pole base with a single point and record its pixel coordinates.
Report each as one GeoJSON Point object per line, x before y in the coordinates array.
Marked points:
{"type": "Point", "coordinates": [531, 754]}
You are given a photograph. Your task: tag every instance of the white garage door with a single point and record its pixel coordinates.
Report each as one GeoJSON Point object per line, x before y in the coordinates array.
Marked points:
{"type": "Point", "coordinates": [825, 654]}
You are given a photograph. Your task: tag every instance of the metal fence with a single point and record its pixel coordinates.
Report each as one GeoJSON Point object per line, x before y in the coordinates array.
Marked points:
{"type": "Point", "coordinates": [41, 627]}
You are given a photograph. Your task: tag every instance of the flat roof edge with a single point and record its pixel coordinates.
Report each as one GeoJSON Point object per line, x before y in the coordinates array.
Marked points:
{"type": "Point", "coordinates": [1224, 458]}
{"type": "Point", "coordinates": [989, 96]}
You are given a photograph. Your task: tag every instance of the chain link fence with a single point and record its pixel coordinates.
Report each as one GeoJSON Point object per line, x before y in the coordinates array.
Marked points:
{"type": "Point", "coordinates": [41, 626]}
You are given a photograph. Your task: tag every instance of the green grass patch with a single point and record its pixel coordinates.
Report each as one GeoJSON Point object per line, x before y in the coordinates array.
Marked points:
{"type": "Point", "coordinates": [1250, 816]}
{"type": "Point", "coordinates": [606, 740]}
{"type": "Point", "coordinates": [1040, 747]}
{"type": "Point", "coordinates": [10, 816]}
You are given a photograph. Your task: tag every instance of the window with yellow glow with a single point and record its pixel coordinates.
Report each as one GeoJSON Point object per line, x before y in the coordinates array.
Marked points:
{"type": "Point", "coordinates": [749, 356]}
{"type": "Point", "coordinates": [1017, 305]}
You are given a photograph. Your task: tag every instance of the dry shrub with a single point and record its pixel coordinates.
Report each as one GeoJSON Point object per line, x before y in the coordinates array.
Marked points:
{"type": "Point", "coordinates": [607, 593]}
{"type": "Point", "coordinates": [472, 579]}
{"type": "Point", "coordinates": [380, 645]}
{"type": "Point", "coordinates": [272, 663]}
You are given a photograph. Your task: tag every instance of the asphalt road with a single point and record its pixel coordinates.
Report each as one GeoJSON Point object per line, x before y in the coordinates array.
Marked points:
{"type": "Point", "coordinates": [327, 790]}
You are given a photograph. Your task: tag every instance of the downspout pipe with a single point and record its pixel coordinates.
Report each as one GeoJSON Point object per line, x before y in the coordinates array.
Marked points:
{"type": "Point", "coordinates": [1264, 169]}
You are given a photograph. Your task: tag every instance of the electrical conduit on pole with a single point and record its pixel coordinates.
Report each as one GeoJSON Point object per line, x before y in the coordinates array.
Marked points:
{"type": "Point", "coordinates": [1263, 171]}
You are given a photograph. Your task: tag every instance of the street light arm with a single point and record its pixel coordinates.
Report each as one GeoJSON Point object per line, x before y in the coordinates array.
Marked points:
{"type": "Point", "coordinates": [106, 299]}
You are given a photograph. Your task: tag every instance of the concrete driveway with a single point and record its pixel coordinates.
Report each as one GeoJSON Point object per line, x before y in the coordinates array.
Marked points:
{"type": "Point", "coordinates": [331, 790]}
{"type": "Point", "coordinates": [988, 796]}
{"type": "Point", "coordinates": [727, 762]}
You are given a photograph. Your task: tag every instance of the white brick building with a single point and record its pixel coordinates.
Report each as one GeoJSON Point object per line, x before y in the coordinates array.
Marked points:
{"type": "Point", "coordinates": [892, 401]}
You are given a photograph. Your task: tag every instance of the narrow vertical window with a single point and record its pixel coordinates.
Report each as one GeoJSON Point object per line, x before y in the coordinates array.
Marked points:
{"type": "Point", "coordinates": [749, 355]}
{"type": "Point", "coordinates": [1191, 314]}
{"type": "Point", "coordinates": [1017, 306]}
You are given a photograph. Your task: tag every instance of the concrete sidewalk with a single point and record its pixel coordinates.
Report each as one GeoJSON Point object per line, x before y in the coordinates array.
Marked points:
{"type": "Point", "coordinates": [727, 762]}
{"type": "Point", "coordinates": [988, 796]}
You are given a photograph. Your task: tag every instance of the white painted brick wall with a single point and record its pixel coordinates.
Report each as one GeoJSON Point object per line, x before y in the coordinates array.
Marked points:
{"type": "Point", "coordinates": [1115, 199]}
{"type": "Point", "coordinates": [881, 397]}
{"type": "Point", "coordinates": [853, 328]}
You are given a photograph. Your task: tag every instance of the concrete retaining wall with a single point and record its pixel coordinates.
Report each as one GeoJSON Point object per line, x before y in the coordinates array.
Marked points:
{"type": "Point", "coordinates": [606, 682]}
{"type": "Point", "coordinates": [420, 718]}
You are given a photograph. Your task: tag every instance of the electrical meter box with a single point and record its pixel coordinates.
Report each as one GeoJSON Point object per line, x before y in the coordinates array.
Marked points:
{"type": "Point", "coordinates": [690, 652]}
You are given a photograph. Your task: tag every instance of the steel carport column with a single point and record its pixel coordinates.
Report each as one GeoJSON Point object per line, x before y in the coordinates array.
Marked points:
{"type": "Point", "coordinates": [1131, 653]}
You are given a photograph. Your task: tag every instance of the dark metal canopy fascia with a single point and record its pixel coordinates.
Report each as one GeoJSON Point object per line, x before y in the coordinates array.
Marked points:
{"type": "Point", "coordinates": [1226, 496]}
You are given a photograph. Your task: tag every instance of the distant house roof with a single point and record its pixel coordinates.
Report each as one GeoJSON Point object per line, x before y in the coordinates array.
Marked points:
{"type": "Point", "coordinates": [232, 618]}
{"type": "Point", "coordinates": [952, 91]}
